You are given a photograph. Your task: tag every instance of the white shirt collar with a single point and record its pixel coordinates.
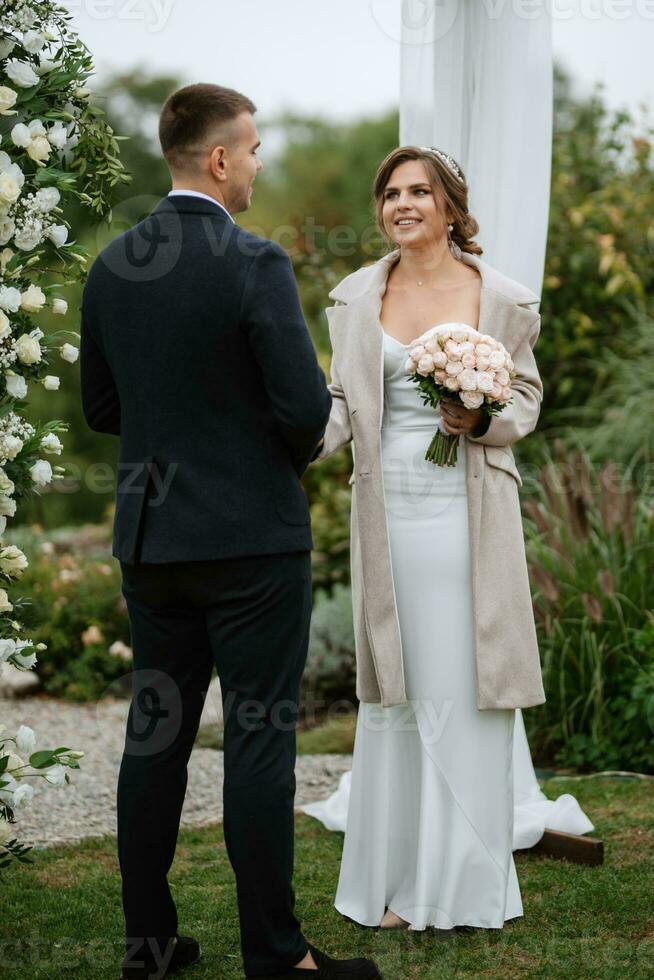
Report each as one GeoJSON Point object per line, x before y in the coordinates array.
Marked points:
{"type": "Point", "coordinates": [206, 198]}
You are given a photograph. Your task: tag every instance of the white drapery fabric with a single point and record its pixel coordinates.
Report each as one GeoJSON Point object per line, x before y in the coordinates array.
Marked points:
{"type": "Point", "coordinates": [476, 82]}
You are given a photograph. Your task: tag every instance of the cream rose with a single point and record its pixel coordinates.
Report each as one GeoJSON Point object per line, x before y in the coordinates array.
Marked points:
{"type": "Point", "coordinates": [468, 380]}
{"type": "Point", "coordinates": [472, 399]}
{"type": "Point", "coordinates": [12, 560]}
{"type": "Point", "coordinates": [41, 472]}
{"type": "Point", "coordinates": [39, 149]}
{"type": "Point", "coordinates": [485, 382]}
{"type": "Point", "coordinates": [9, 189]}
{"type": "Point", "coordinates": [51, 382]}
{"type": "Point", "coordinates": [28, 349]}
{"type": "Point", "coordinates": [33, 299]}
{"type": "Point", "coordinates": [454, 367]}
{"type": "Point", "coordinates": [59, 307]}
{"type": "Point", "coordinates": [425, 365]}
{"type": "Point", "coordinates": [5, 605]}
{"type": "Point", "coordinates": [7, 101]}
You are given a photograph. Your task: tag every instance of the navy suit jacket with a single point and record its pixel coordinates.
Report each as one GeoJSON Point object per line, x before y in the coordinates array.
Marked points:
{"type": "Point", "coordinates": [194, 350]}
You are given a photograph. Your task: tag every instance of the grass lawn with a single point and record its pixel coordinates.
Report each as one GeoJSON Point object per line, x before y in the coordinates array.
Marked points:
{"type": "Point", "coordinates": [62, 917]}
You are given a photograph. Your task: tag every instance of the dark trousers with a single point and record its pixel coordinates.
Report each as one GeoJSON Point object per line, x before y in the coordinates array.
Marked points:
{"type": "Point", "coordinates": [250, 617]}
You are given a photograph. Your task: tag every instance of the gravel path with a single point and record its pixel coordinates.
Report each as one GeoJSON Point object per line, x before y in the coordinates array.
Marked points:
{"type": "Point", "coordinates": [87, 807]}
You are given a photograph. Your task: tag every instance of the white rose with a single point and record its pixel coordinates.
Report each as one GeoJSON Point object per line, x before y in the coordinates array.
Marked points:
{"type": "Point", "coordinates": [483, 349]}
{"type": "Point", "coordinates": [12, 560]}
{"type": "Point", "coordinates": [21, 135]}
{"type": "Point", "coordinates": [46, 199]}
{"type": "Point", "coordinates": [9, 189]}
{"type": "Point", "coordinates": [28, 349]}
{"type": "Point", "coordinates": [7, 792]}
{"type": "Point", "coordinates": [454, 367]}
{"type": "Point", "coordinates": [7, 507]}
{"type": "Point", "coordinates": [21, 74]}
{"type": "Point", "coordinates": [452, 383]}
{"type": "Point", "coordinates": [41, 472]}
{"type": "Point", "coordinates": [57, 136]}
{"type": "Point", "coordinates": [33, 299]}
{"type": "Point", "coordinates": [15, 762]}
{"type": "Point", "coordinates": [5, 326]}
{"type": "Point", "coordinates": [5, 604]}
{"type": "Point", "coordinates": [58, 234]}
{"type": "Point", "coordinates": [69, 353]}
{"type": "Point", "coordinates": [56, 775]}
{"type": "Point", "coordinates": [6, 255]}
{"type": "Point", "coordinates": [52, 444]}
{"type": "Point", "coordinates": [7, 650]}
{"type": "Point", "coordinates": [468, 380]}
{"type": "Point", "coordinates": [7, 45]}
{"type": "Point", "coordinates": [51, 382]}
{"type": "Point", "coordinates": [7, 229]}
{"type": "Point", "coordinates": [39, 149]}
{"type": "Point", "coordinates": [16, 385]}
{"type": "Point", "coordinates": [11, 446]}
{"type": "Point", "coordinates": [25, 740]}
{"type": "Point", "coordinates": [23, 795]}
{"type": "Point", "coordinates": [502, 377]}
{"type": "Point", "coordinates": [59, 307]}
{"type": "Point", "coordinates": [34, 41]}
{"type": "Point", "coordinates": [45, 65]}
{"type": "Point", "coordinates": [7, 487]}
{"type": "Point", "coordinates": [7, 100]}
{"type": "Point", "coordinates": [440, 359]}
{"type": "Point", "coordinates": [425, 365]}
{"type": "Point", "coordinates": [29, 236]}
{"type": "Point", "coordinates": [25, 660]}
{"type": "Point", "coordinates": [485, 382]}
{"type": "Point", "coordinates": [472, 399]}
{"type": "Point", "coordinates": [496, 360]}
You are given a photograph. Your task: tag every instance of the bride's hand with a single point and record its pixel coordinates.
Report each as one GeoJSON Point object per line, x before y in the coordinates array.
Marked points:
{"type": "Point", "coordinates": [459, 420]}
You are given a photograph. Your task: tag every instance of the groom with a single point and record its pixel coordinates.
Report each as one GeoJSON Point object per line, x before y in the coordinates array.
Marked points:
{"type": "Point", "coordinates": [195, 352]}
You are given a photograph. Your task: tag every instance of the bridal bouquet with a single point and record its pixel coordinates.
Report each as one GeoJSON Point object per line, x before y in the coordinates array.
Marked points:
{"type": "Point", "coordinates": [460, 364]}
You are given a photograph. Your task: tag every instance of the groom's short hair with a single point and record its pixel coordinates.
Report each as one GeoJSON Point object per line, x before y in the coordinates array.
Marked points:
{"type": "Point", "coordinates": [190, 114]}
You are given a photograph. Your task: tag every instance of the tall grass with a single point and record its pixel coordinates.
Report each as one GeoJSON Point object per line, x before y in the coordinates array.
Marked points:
{"type": "Point", "coordinates": [590, 544]}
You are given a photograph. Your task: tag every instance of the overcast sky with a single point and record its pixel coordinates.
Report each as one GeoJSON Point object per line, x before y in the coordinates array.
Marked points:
{"type": "Point", "coordinates": [339, 58]}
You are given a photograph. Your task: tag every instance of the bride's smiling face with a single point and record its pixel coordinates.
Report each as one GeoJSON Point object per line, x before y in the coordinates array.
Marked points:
{"type": "Point", "coordinates": [411, 214]}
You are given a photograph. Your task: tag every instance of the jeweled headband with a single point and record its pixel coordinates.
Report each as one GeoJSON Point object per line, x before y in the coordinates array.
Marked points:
{"type": "Point", "coordinates": [449, 161]}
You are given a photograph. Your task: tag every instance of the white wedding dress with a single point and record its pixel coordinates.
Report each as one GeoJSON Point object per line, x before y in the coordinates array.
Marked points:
{"type": "Point", "coordinates": [430, 819]}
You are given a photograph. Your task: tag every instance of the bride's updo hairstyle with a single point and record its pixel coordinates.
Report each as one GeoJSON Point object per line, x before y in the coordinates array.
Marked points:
{"type": "Point", "coordinates": [444, 183]}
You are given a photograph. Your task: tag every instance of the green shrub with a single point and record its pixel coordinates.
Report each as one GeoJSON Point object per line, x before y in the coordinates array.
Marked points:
{"type": "Point", "coordinates": [77, 609]}
{"type": "Point", "coordinates": [330, 672]}
{"type": "Point", "coordinates": [590, 539]}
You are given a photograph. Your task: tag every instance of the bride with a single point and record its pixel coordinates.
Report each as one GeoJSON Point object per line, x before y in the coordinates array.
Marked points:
{"type": "Point", "coordinates": [445, 637]}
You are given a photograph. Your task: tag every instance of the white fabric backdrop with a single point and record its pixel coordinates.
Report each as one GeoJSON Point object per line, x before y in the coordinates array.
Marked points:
{"type": "Point", "coordinates": [476, 81]}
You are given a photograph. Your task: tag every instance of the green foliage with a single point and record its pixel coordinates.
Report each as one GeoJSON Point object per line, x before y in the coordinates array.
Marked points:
{"type": "Point", "coordinates": [330, 672]}
{"type": "Point", "coordinates": [75, 606]}
{"type": "Point", "coordinates": [607, 426]}
{"type": "Point", "coordinates": [599, 265]}
{"type": "Point", "coordinates": [590, 540]}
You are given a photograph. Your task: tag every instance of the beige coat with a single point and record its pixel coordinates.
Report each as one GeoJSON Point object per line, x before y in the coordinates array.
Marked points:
{"type": "Point", "coordinates": [508, 664]}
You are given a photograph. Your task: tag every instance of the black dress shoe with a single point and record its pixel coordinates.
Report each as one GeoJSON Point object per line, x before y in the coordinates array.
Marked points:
{"type": "Point", "coordinates": [185, 952]}
{"type": "Point", "coordinates": [329, 969]}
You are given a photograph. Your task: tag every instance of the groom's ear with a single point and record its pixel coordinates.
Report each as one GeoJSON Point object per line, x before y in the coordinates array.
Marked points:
{"type": "Point", "coordinates": [217, 160]}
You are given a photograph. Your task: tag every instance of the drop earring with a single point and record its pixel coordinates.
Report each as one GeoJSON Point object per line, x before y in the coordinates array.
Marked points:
{"type": "Point", "coordinates": [454, 248]}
